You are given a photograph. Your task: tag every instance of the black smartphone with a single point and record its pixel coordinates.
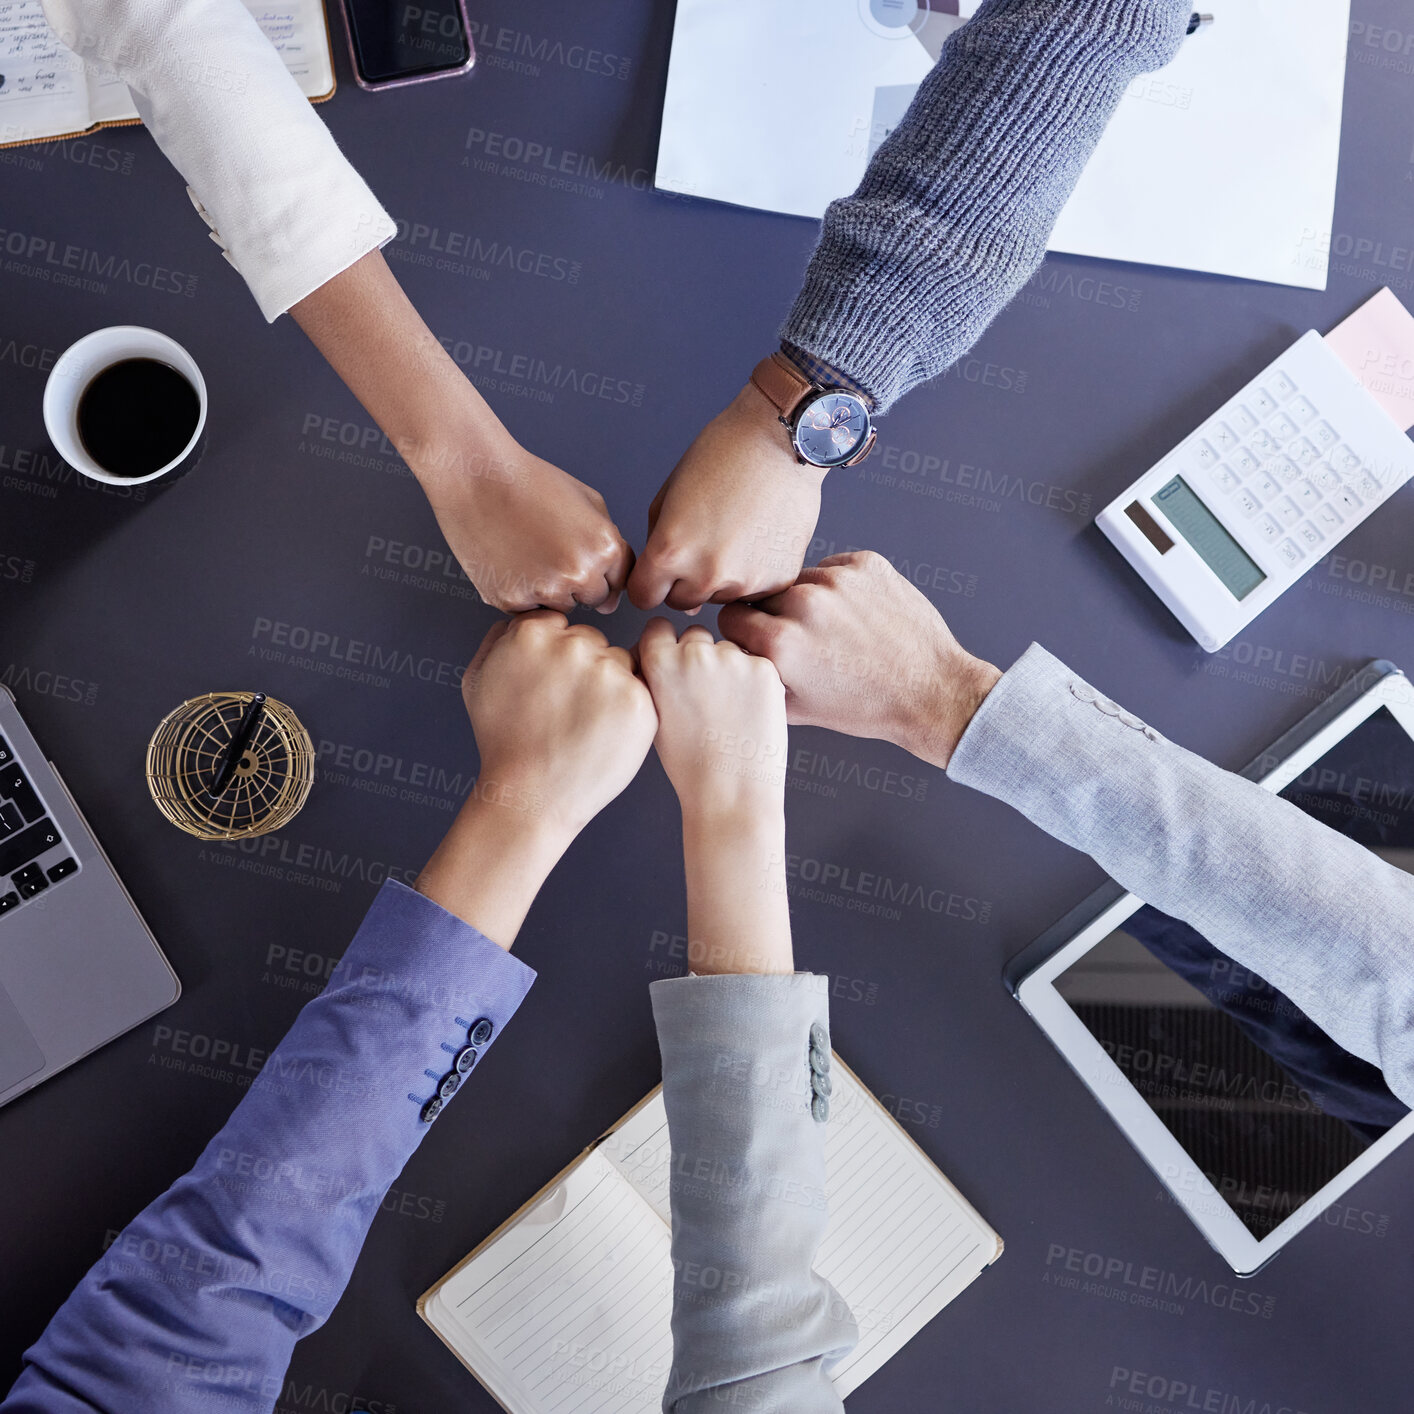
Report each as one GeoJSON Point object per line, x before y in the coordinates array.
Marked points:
{"type": "Point", "coordinates": [394, 42]}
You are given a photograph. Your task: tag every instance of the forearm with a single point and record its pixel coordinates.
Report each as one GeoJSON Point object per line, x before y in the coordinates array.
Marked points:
{"type": "Point", "coordinates": [366, 327]}
{"type": "Point", "coordinates": [491, 863]}
{"type": "Point", "coordinates": [289, 209]}
{"type": "Point", "coordinates": [251, 1249]}
{"type": "Point", "coordinates": [1320, 917]}
{"type": "Point", "coordinates": [738, 912]}
{"type": "Point", "coordinates": [954, 212]}
{"type": "Point", "coordinates": [745, 1067]}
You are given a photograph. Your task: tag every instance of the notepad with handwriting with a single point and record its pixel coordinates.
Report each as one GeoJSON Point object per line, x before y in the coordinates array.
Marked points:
{"type": "Point", "coordinates": [46, 92]}
{"type": "Point", "coordinates": [566, 1307]}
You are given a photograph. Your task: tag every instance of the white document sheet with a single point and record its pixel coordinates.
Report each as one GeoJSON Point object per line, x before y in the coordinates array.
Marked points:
{"type": "Point", "coordinates": [1224, 161]}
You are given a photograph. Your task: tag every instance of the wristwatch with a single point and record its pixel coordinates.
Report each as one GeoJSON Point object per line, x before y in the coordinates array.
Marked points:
{"type": "Point", "coordinates": [828, 425]}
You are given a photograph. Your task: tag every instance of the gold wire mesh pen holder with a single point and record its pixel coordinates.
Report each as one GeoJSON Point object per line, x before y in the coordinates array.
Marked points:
{"type": "Point", "coordinates": [266, 786]}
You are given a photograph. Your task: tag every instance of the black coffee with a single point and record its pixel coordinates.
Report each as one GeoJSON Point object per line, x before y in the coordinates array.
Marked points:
{"type": "Point", "coordinates": [136, 416]}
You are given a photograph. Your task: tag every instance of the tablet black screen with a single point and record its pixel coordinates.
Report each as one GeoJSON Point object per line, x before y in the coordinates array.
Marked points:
{"type": "Point", "coordinates": [1263, 1101]}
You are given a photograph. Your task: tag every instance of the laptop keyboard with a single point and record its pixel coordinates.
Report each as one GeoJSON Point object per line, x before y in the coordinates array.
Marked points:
{"type": "Point", "coordinates": [33, 856]}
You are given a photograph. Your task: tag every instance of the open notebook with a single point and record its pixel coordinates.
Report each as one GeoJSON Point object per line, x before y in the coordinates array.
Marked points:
{"type": "Point", "coordinates": [47, 92]}
{"type": "Point", "coordinates": [566, 1307]}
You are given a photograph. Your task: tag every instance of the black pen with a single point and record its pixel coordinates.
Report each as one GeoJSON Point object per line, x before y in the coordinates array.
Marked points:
{"type": "Point", "coordinates": [1197, 21]}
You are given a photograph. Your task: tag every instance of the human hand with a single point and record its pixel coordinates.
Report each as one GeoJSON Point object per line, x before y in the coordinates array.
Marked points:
{"type": "Point", "coordinates": [861, 651]}
{"type": "Point", "coordinates": [563, 724]}
{"type": "Point", "coordinates": [562, 720]}
{"type": "Point", "coordinates": [734, 519]}
{"type": "Point", "coordinates": [526, 533]}
{"type": "Point", "coordinates": [721, 723]}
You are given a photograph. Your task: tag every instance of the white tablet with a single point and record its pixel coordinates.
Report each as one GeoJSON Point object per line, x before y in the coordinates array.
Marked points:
{"type": "Point", "coordinates": [1252, 1117]}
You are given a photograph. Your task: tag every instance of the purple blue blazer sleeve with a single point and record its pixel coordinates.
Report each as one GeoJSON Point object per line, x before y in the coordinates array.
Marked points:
{"type": "Point", "coordinates": [202, 1296]}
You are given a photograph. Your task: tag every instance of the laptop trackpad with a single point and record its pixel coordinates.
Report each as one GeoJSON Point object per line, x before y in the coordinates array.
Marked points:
{"type": "Point", "coordinates": [19, 1053]}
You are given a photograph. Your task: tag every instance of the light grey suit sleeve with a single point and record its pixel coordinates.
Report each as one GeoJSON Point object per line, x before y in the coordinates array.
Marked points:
{"type": "Point", "coordinates": [745, 1076]}
{"type": "Point", "coordinates": [1317, 915]}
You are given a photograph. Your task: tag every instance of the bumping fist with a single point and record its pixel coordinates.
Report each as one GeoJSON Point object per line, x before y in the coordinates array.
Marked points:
{"type": "Point", "coordinates": [529, 534]}
{"type": "Point", "coordinates": [562, 720]}
{"type": "Point", "coordinates": [721, 723]}
{"type": "Point", "coordinates": [861, 651]}
{"type": "Point", "coordinates": [734, 519]}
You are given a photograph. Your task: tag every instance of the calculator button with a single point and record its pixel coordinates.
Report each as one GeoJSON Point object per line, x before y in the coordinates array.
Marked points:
{"type": "Point", "coordinates": [1244, 463]}
{"type": "Point", "coordinates": [1324, 435]}
{"type": "Point", "coordinates": [1225, 477]}
{"type": "Point", "coordinates": [1224, 437]}
{"type": "Point", "coordinates": [1282, 387]}
{"type": "Point", "coordinates": [1305, 494]}
{"type": "Point", "coordinates": [1285, 470]}
{"type": "Point", "coordinates": [1269, 530]}
{"type": "Point", "coordinates": [1287, 511]}
{"type": "Point", "coordinates": [1347, 501]}
{"type": "Point", "coordinates": [1263, 443]}
{"type": "Point", "coordinates": [1247, 503]}
{"type": "Point", "coordinates": [1325, 478]}
{"type": "Point", "coordinates": [1302, 410]}
{"type": "Point", "coordinates": [1283, 428]}
{"type": "Point", "coordinates": [1244, 420]}
{"type": "Point", "coordinates": [1205, 454]}
{"type": "Point", "coordinates": [1366, 485]}
{"type": "Point", "coordinates": [1263, 403]}
{"type": "Point", "coordinates": [1291, 552]}
{"type": "Point", "coordinates": [1306, 452]}
{"type": "Point", "coordinates": [1327, 517]}
{"type": "Point", "coordinates": [1308, 534]}
{"type": "Point", "coordinates": [1344, 460]}
{"type": "Point", "coordinates": [1265, 486]}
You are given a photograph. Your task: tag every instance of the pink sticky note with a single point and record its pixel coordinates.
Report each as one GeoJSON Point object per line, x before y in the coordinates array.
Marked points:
{"type": "Point", "coordinates": [1376, 344]}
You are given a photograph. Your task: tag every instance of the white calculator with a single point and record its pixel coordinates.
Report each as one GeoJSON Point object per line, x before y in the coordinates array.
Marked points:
{"type": "Point", "coordinates": [1272, 482]}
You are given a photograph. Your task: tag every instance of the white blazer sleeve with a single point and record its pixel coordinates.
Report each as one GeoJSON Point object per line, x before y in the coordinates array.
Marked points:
{"type": "Point", "coordinates": [282, 200]}
{"type": "Point", "coordinates": [1320, 917]}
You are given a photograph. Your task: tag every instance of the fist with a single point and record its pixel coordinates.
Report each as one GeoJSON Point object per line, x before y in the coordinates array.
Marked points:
{"type": "Point", "coordinates": [861, 651]}
{"type": "Point", "coordinates": [562, 720]}
{"type": "Point", "coordinates": [734, 519]}
{"type": "Point", "coordinates": [529, 534]}
{"type": "Point", "coordinates": [721, 722]}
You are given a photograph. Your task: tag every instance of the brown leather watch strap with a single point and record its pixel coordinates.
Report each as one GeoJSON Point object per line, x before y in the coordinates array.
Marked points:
{"type": "Point", "coordinates": [781, 384]}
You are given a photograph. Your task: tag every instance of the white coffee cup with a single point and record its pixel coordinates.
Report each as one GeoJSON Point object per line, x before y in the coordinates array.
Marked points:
{"type": "Point", "coordinates": [82, 362]}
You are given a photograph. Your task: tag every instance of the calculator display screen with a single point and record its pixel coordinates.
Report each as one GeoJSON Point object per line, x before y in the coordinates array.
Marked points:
{"type": "Point", "coordinates": [1263, 1102]}
{"type": "Point", "coordinates": [1205, 533]}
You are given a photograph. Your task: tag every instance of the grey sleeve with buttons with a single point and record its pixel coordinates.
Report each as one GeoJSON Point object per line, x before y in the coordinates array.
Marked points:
{"type": "Point", "coordinates": [746, 1087]}
{"type": "Point", "coordinates": [1317, 915]}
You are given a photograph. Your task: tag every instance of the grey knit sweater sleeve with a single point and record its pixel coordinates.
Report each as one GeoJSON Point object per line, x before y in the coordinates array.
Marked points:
{"type": "Point", "coordinates": [955, 210]}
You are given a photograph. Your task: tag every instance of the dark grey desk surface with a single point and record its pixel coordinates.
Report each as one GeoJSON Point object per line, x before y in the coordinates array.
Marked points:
{"type": "Point", "coordinates": [114, 612]}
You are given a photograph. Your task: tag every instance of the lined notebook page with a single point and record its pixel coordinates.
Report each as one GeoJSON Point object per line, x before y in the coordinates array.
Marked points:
{"type": "Point", "coordinates": [901, 1241]}
{"type": "Point", "coordinates": [569, 1311]}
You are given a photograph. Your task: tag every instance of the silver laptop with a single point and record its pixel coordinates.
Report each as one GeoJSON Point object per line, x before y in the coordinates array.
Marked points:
{"type": "Point", "coordinates": [78, 966]}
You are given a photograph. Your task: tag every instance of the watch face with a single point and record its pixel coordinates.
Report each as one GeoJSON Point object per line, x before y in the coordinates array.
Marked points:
{"type": "Point", "coordinates": [831, 429]}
